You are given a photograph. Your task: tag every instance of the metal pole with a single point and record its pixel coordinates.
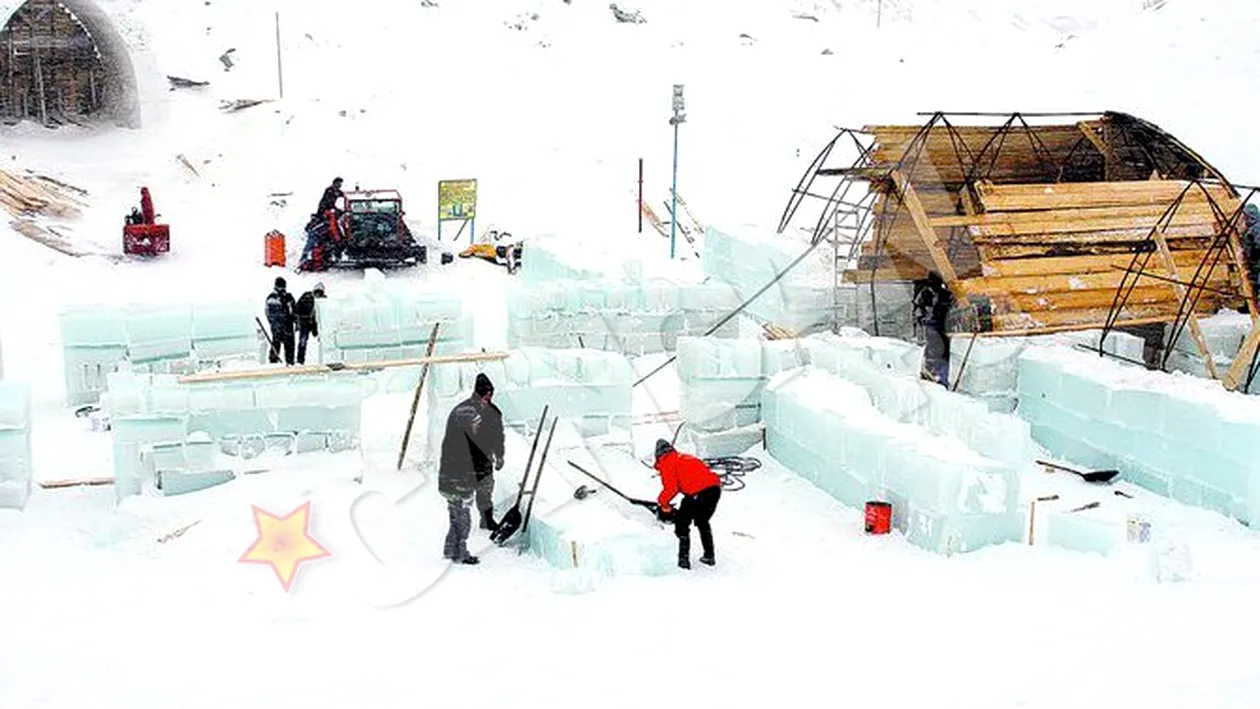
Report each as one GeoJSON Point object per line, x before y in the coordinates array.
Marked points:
{"type": "Point", "coordinates": [879, 12]}
{"type": "Point", "coordinates": [640, 195]}
{"type": "Point", "coordinates": [279, 65]}
{"type": "Point", "coordinates": [673, 222]}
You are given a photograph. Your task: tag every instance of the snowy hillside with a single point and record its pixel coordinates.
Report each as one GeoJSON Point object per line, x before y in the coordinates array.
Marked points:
{"type": "Point", "coordinates": [550, 104]}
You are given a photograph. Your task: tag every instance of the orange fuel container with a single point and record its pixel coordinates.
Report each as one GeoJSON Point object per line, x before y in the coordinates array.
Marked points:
{"type": "Point", "coordinates": [273, 249]}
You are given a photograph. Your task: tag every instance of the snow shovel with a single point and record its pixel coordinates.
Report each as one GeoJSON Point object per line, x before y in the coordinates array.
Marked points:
{"type": "Point", "coordinates": [512, 518]}
{"type": "Point", "coordinates": [1090, 476]}
{"type": "Point", "coordinates": [647, 504]}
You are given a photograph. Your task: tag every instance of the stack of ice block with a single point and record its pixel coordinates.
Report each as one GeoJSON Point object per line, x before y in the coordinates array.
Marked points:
{"type": "Point", "coordinates": [835, 352]}
{"type": "Point", "coordinates": [946, 497]}
{"type": "Point", "coordinates": [720, 384]}
{"type": "Point", "coordinates": [243, 418]}
{"type": "Point", "coordinates": [1173, 434]}
{"type": "Point", "coordinates": [805, 299]}
{"type": "Point", "coordinates": [628, 318]}
{"type": "Point", "coordinates": [15, 444]}
{"type": "Point", "coordinates": [157, 339]}
{"type": "Point", "coordinates": [991, 369]}
{"type": "Point", "coordinates": [544, 260]}
{"type": "Point", "coordinates": [589, 388]}
{"type": "Point", "coordinates": [890, 313]}
{"type": "Point", "coordinates": [390, 321]}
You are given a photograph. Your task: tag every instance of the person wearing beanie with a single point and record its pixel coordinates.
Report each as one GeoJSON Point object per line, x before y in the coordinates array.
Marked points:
{"type": "Point", "coordinates": [471, 449]}
{"type": "Point", "coordinates": [701, 489]}
{"type": "Point", "coordinates": [306, 323]}
{"type": "Point", "coordinates": [280, 308]}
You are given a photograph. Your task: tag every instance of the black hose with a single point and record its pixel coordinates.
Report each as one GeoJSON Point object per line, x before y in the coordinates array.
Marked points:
{"type": "Point", "coordinates": [731, 469]}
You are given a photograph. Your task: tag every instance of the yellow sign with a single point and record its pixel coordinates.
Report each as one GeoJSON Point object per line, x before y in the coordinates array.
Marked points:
{"type": "Point", "coordinates": [457, 199]}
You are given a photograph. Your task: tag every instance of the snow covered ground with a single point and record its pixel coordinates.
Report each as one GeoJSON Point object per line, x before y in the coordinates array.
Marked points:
{"type": "Point", "coordinates": [552, 118]}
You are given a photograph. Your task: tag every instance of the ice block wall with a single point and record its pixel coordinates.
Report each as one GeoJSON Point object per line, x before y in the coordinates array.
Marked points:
{"type": "Point", "coordinates": [636, 318]}
{"type": "Point", "coordinates": [804, 300]}
{"type": "Point", "coordinates": [1173, 434]}
{"type": "Point", "coordinates": [858, 445]}
{"type": "Point", "coordinates": [988, 367]}
{"type": "Point", "coordinates": [242, 418]}
{"type": "Point", "coordinates": [1224, 333]}
{"type": "Point", "coordinates": [16, 470]}
{"type": "Point", "coordinates": [546, 259]}
{"type": "Point", "coordinates": [152, 338]}
{"type": "Point", "coordinates": [588, 388]}
{"type": "Point", "coordinates": [390, 320]}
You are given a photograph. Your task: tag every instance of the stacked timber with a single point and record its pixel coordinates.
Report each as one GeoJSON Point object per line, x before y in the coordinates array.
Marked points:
{"type": "Point", "coordinates": [36, 195]}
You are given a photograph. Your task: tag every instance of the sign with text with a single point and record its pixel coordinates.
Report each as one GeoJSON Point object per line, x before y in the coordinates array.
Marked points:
{"type": "Point", "coordinates": [457, 200]}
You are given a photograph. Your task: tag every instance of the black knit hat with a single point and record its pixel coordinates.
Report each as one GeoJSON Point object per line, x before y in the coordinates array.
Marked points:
{"type": "Point", "coordinates": [280, 282]}
{"type": "Point", "coordinates": [483, 385]}
{"type": "Point", "coordinates": [663, 447]}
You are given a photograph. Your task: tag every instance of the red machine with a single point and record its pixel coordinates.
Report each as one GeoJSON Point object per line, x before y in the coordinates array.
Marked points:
{"type": "Point", "coordinates": [142, 235]}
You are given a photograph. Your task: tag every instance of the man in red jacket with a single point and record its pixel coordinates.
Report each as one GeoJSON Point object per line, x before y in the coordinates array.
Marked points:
{"type": "Point", "coordinates": [701, 489]}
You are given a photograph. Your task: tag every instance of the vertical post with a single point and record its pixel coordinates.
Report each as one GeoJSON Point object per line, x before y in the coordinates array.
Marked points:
{"type": "Point", "coordinates": [39, 77]}
{"type": "Point", "coordinates": [640, 195]}
{"type": "Point", "coordinates": [279, 63]}
{"type": "Point", "coordinates": [879, 12]}
{"type": "Point", "coordinates": [472, 230]}
{"type": "Point", "coordinates": [673, 210]}
{"type": "Point", "coordinates": [677, 119]}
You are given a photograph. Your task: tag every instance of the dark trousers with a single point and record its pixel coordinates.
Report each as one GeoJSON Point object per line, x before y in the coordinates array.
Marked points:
{"type": "Point", "coordinates": [303, 335]}
{"type": "Point", "coordinates": [697, 508]}
{"type": "Point", "coordinates": [281, 338]}
{"type": "Point", "coordinates": [458, 507]}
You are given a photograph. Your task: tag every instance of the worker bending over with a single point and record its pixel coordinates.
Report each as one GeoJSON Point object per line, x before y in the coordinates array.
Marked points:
{"type": "Point", "coordinates": [701, 489]}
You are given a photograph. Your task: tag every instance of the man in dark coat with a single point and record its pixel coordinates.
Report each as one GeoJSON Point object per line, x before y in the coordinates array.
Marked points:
{"type": "Point", "coordinates": [466, 455]}
{"type": "Point", "coordinates": [307, 325]}
{"type": "Point", "coordinates": [932, 303]}
{"type": "Point", "coordinates": [281, 318]}
{"type": "Point", "coordinates": [327, 202]}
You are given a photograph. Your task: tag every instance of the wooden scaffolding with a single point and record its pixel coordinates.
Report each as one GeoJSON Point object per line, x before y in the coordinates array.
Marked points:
{"type": "Point", "coordinates": [51, 70]}
{"type": "Point", "coordinates": [1099, 221]}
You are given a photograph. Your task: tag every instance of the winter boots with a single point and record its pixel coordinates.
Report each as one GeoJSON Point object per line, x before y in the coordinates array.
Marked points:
{"type": "Point", "coordinates": [487, 520]}
{"type": "Point", "coordinates": [706, 544]}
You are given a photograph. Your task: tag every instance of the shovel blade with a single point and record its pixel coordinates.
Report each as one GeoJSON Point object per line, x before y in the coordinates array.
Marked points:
{"type": "Point", "coordinates": [1099, 476]}
{"type": "Point", "coordinates": [509, 526]}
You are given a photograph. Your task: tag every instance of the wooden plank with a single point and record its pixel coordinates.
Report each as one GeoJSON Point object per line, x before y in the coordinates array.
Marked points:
{"type": "Point", "coordinates": [939, 260]}
{"type": "Point", "coordinates": [1064, 283]}
{"type": "Point", "coordinates": [1195, 331]}
{"type": "Point", "coordinates": [1079, 264]}
{"type": "Point", "coordinates": [1240, 367]}
{"type": "Point", "coordinates": [1200, 210]}
{"type": "Point", "coordinates": [1063, 195]}
{"type": "Point", "coordinates": [1078, 300]}
{"type": "Point", "coordinates": [311, 369]}
{"type": "Point", "coordinates": [1131, 237]}
{"type": "Point", "coordinates": [1084, 319]}
{"type": "Point", "coordinates": [1109, 156]}
{"type": "Point", "coordinates": [1008, 251]}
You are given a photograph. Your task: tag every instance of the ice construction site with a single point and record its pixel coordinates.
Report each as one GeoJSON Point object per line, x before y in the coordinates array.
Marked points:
{"type": "Point", "coordinates": [625, 349]}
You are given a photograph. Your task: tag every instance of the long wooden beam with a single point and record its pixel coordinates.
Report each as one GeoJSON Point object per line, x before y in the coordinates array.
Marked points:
{"type": "Point", "coordinates": [362, 367]}
{"type": "Point", "coordinates": [1195, 331]}
{"type": "Point", "coordinates": [939, 259]}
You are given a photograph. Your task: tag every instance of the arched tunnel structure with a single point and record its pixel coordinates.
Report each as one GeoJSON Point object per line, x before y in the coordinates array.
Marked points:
{"type": "Point", "coordinates": [64, 61]}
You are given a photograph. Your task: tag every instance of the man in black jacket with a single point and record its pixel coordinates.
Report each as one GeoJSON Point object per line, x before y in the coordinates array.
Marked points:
{"type": "Point", "coordinates": [307, 325]}
{"type": "Point", "coordinates": [932, 303]}
{"type": "Point", "coordinates": [280, 316]}
{"type": "Point", "coordinates": [327, 202]}
{"type": "Point", "coordinates": [467, 455]}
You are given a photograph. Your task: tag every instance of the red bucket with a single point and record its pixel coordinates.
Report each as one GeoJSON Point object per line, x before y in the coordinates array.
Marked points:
{"type": "Point", "coordinates": [878, 517]}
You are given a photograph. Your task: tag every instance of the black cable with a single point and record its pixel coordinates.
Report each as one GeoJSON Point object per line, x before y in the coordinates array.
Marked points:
{"type": "Point", "coordinates": [731, 469]}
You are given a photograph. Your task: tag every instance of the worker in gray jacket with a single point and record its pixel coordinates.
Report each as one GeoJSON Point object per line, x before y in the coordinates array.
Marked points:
{"type": "Point", "coordinates": [467, 455]}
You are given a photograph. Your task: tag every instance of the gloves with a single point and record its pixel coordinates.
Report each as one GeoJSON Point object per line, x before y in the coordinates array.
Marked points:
{"type": "Point", "coordinates": [498, 462]}
{"type": "Point", "coordinates": [664, 515]}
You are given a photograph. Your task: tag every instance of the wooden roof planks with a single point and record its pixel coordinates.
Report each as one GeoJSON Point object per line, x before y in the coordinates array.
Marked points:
{"type": "Point", "coordinates": [1046, 223]}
